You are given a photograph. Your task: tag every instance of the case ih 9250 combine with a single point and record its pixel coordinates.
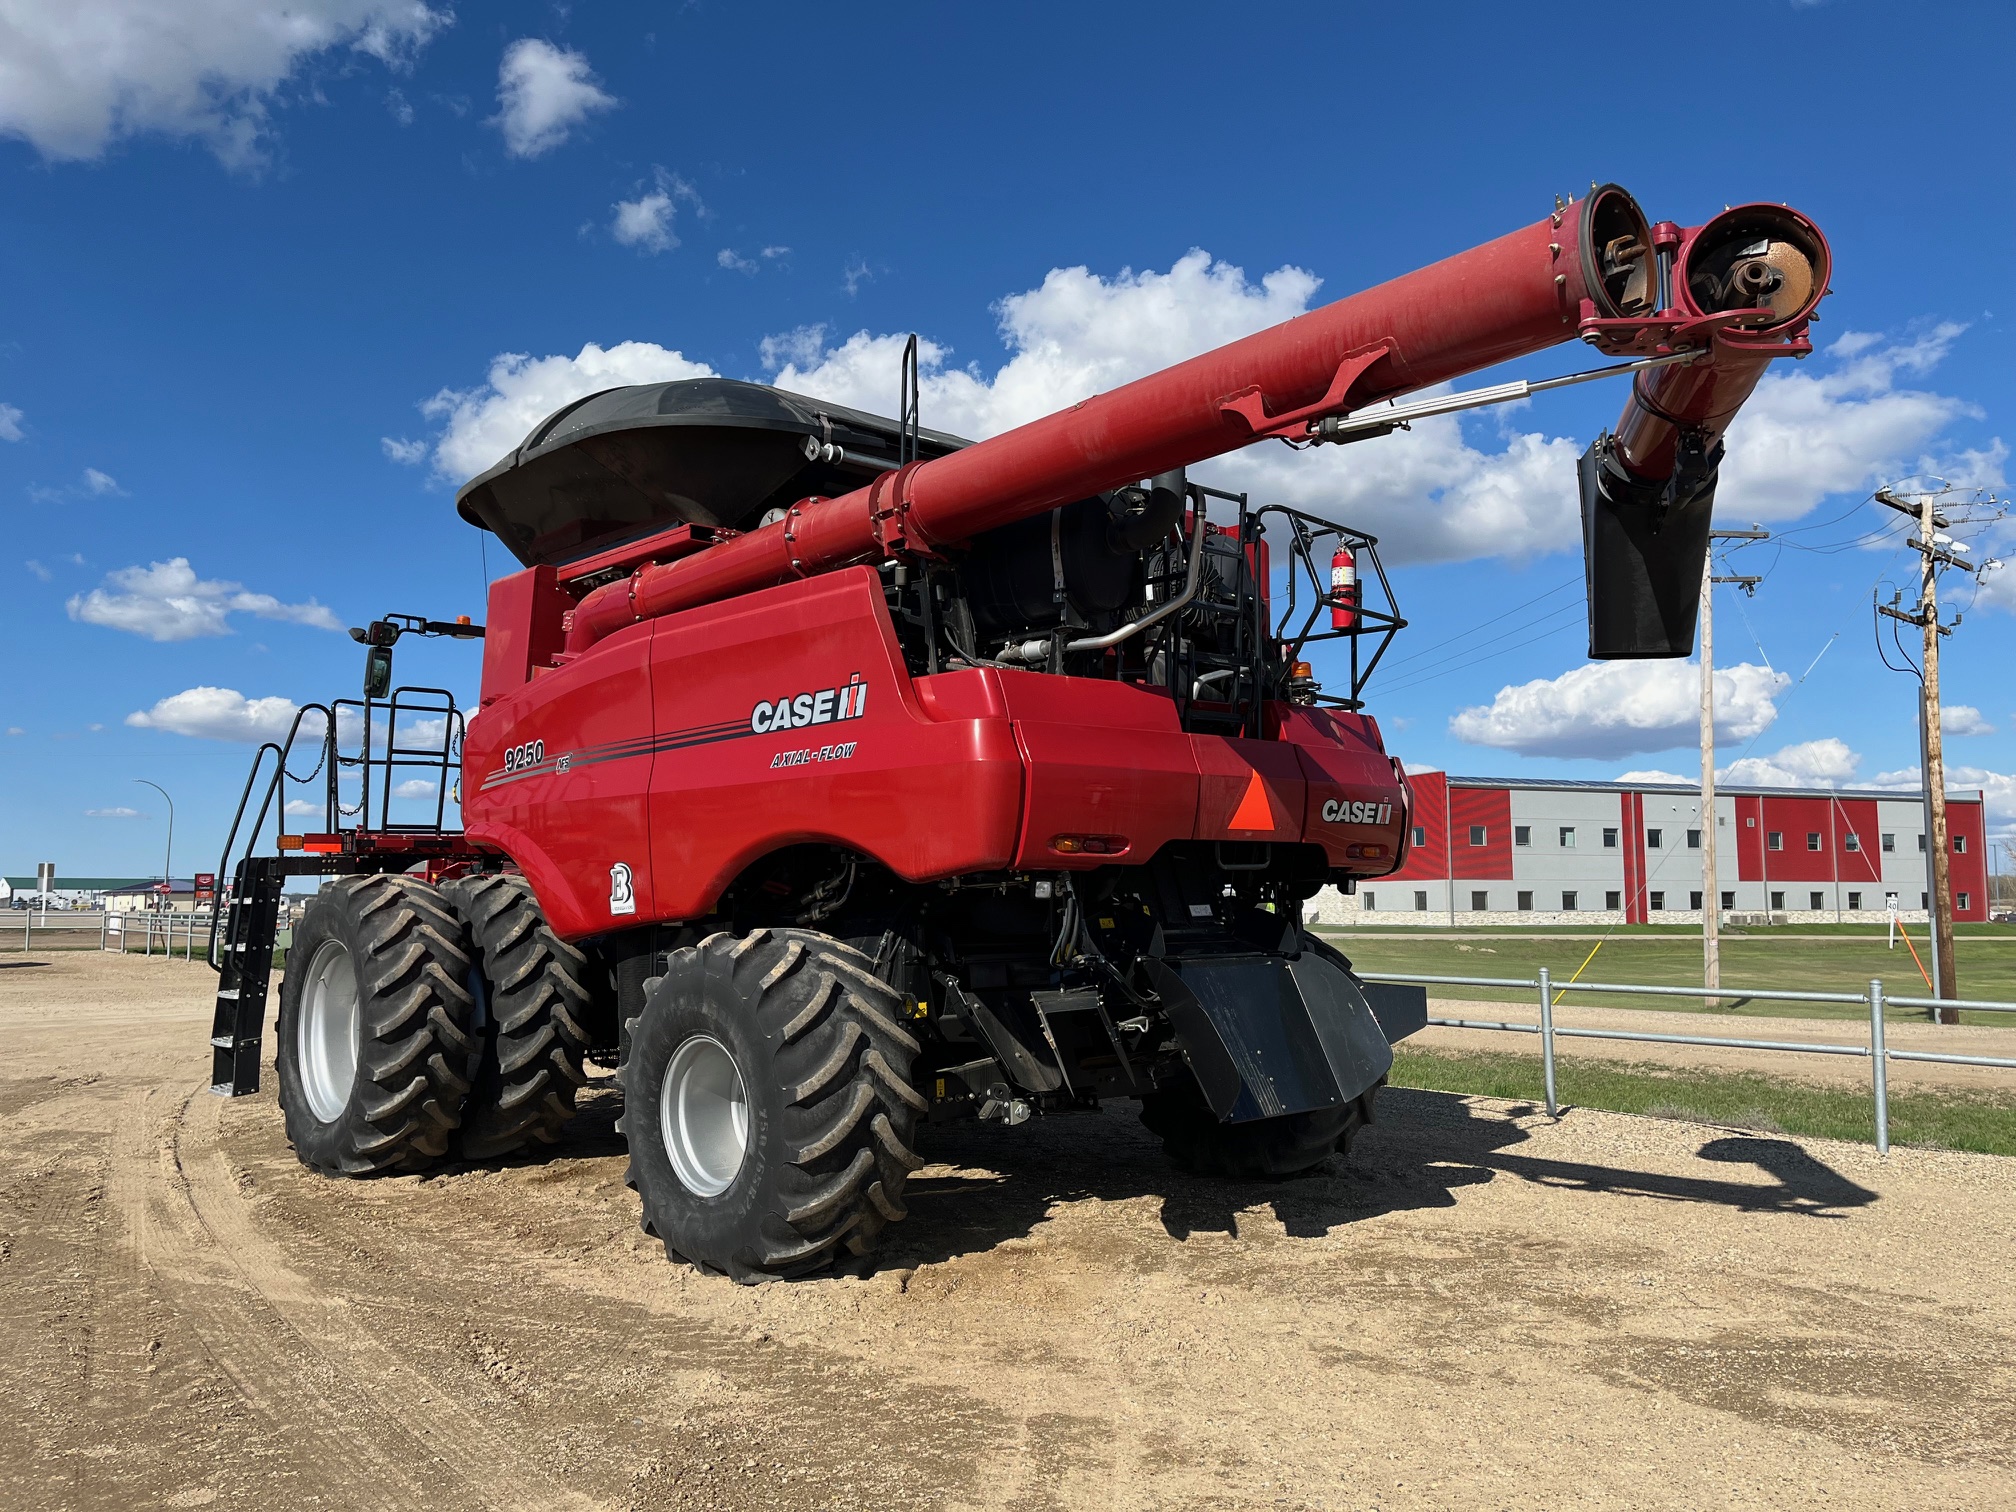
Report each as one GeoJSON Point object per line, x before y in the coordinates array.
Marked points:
{"type": "Point", "coordinates": [833, 775]}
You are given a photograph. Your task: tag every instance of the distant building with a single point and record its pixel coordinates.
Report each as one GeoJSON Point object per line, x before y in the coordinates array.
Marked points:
{"type": "Point", "coordinates": [1524, 851]}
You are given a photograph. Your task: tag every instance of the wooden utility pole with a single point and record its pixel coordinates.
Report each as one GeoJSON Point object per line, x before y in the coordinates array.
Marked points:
{"type": "Point", "coordinates": [1931, 737]}
{"type": "Point", "coordinates": [1711, 896]}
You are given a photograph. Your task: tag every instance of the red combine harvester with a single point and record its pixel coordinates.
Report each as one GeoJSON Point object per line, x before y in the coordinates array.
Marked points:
{"type": "Point", "coordinates": [833, 776]}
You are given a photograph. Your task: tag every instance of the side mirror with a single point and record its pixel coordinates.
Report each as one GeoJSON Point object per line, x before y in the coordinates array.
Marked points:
{"type": "Point", "coordinates": [377, 671]}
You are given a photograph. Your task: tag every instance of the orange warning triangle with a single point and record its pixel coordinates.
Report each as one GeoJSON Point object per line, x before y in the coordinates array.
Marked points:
{"type": "Point", "coordinates": [1254, 811]}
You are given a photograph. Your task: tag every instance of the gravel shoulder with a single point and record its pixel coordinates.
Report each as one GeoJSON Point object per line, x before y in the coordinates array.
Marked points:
{"type": "Point", "coordinates": [1482, 1307]}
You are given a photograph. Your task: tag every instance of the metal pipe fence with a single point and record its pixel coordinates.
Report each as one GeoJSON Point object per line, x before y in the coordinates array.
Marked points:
{"type": "Point", "coordinates": [1876, 1049]}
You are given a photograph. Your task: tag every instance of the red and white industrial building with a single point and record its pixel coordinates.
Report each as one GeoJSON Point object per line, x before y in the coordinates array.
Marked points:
{"type": "Point", "coordinates": [1511, 850]}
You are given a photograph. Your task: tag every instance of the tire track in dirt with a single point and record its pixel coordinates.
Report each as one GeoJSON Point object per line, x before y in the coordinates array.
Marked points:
{"type": "Point", "coordinates": [329, 1325]}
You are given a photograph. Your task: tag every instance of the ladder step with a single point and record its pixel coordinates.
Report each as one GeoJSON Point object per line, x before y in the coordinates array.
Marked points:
{"type": "Point", "coordinates": [227, 994]}
{"type": "Point", "coordinates": [223, 1042]}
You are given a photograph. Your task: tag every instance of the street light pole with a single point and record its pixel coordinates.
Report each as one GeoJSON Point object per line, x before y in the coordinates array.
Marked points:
{"type": "Point", "coordinates": [168, 860]}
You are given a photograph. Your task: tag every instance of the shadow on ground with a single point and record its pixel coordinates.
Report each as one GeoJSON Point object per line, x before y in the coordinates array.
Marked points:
{"type": "Point", "coordinates": [1425, 1148]}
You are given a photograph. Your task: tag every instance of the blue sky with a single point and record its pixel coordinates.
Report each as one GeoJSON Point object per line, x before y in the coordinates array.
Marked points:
{"type": "Point", "coordinates": [277, 289]}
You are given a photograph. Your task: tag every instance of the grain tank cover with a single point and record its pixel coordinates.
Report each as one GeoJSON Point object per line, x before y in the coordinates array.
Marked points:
{"type": "Point", "coordinates": [707, 451]}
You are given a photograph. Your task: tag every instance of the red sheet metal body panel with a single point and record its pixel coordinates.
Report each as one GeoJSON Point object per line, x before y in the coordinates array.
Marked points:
{"type": "Point", "coordinates": [1488, 809]}
{"type": "Point", "coordinates": [635, 783]}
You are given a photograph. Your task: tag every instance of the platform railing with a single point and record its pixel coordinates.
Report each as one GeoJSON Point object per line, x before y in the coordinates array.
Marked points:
{"type": "Point", "coordinates": [1874, 1048]}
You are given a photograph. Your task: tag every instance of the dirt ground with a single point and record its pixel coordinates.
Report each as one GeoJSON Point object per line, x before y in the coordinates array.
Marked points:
{"type": "Point", "coordinates": [1479, 1309]}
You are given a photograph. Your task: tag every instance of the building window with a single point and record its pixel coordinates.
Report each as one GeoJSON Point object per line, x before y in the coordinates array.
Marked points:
{"type": "Point", "coordinates": [1854, 902]}
{"type": "Point", "coordinates": [1654, 839]}
{"type": "Point", "coordinates": [1924, 902]}
{"type": "Point", "coordinates": [1420, 902]}
{"type": "Point", "coordinates": [1728, 900]}
{"type": "Point", "coordinates": [1777, 900]}
{"type": "Point", "coordinates": [1476, 834]}
{"type": "Point", "coordinates": [1420, 835]}
{"type": "Point", "coordinates": [1851, 841]}
{"type": "Point", "coordinates": [1960, 903]}
{"type": "Point", "coordinates": [1480, 902]}
{"type": "Point", "coordinates": [1659, 902]}
{"type": "Point", "coordinates": [1609, 839]}
{"type": "Point", "coordinates": [1774, 839]}
{"type": "Point", "coordinates": [1818, 901]}
{"type": "Point", "coordinates": [1567, 837]}
{"type": "Point", "coordinates": [1567, 902]}
{"type": "Point", "coordinates": [1526, 902]}
{"type": "Point", "coordinates": [1889, 844]}
{"type": "Point", "coordinates": [1693, 839]}
{"type": "Point", "coordinates": [1959, 845]}
{"type": "Point", "coordinates": [1371, 905]}
{"type": "Point", "coordinates": [1522, 834]}
{"type": "Point", "coordinates": [1812, 840]}
{"type": "Point", "coordinates": [1613, 901]}
{"type": "Point", "coordinates": [1694, 901]}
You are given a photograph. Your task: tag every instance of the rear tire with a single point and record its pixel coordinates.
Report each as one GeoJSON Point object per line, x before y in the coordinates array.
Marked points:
{"type": "Point", "coordinates": [768, 1105]}
{"type": "Point", "coordinates": [376, 1045]}
{"type": "Point", "coordinates": [535, 1038]}
{"type": "Point", "coordinates": [1266, 1148]}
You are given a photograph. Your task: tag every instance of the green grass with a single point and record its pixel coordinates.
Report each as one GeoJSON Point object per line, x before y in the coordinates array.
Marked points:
{"type": "Point", "coordinates": [1837, 964]}
{"type": "Point", "coordinates": [1983, 1122]}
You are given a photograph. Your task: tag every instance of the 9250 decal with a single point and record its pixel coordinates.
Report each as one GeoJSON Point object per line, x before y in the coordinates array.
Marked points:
{"type": "Point", "coordinates": [517, 757]}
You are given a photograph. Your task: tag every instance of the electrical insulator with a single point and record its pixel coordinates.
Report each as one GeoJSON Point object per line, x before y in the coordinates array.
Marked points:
{"type": "Point", "coordinates": [1343, 590]}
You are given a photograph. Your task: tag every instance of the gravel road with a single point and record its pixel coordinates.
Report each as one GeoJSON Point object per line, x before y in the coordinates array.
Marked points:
{"type": "Point", "coordinates": [1481, 1308]}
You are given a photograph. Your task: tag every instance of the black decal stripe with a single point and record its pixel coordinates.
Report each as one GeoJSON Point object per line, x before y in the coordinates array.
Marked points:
{"type": "Point", "coordinates": [621, 750]}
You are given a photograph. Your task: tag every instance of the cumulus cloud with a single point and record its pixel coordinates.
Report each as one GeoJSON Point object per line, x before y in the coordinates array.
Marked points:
{"type": "Point", "coordinates": [166, 601]}
{"type": "Point", "coordinates": [543, 93]}
{"type": "Point", "coordinates": [480, 425]}
{"type": "Point", "coordinates": [1837, 428]}
{"type": "Point", "coordinates": [646, 222]}
{"type": "Point", "coordinates": [1810, 763]}
{"type": "Point", "coordinates": [1651, 776]}
{"type": "Point", "coordinates": [728, 258]}
{"type": "Point", "coordinates": [76, 77]}
{"type": "Point", "coordinates": [218, 714]}
{"type": "Point", "coordinates": [414, 787]}
{"type": "Point", "coordinates": [99, 484]}
{"type": "Point", "coordinates": [16, 730]}
{"type": "Point", "coordinates": [406, 453]}
{"type": "Point", "coordinates": [10, 423]}
{"type": "Point", "coordinates": [1620, 708]}
{"type": "Point", "coordinates": [1997, 789]}
{"type": "Point", "coordinates": [1964, 719]}
{"type": "Point", "coordinates": [301, 808]}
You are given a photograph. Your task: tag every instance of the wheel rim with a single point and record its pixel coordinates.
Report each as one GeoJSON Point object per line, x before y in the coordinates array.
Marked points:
{"type": "Point", "coordinates": [703, 1114]}
{"type": "Point", "coordinates": [327, 1038]}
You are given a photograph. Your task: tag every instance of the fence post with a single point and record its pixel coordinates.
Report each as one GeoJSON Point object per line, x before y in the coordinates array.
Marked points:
{"type": "Point", "coordinates": [1879, 1066]}
{"type": "Point", "coordinates": [1547, 1040]}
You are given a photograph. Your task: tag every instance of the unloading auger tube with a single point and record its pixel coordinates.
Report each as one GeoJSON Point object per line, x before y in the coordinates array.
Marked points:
{"type": "Point", "coordinates": [1589, 269]}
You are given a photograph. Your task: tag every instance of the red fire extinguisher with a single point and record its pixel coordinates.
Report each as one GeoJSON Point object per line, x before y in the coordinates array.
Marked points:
{"type": "Point", "coordinates": [1343, 590]}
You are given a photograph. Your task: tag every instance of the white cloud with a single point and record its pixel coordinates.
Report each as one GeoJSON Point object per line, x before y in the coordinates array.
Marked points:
{"type": "Point", "coordinates": [220, 714]}
{"type": "Point", "coordinates": [1964, 719]}
{"type": "Point", "coordinates": [301, 808]}
{"type": "Point", "coordinates": [166, 601]}
{"type": "Point", "coordinates": [1810, 763]}
{"type": "Point", "coordinates": [99, 484]}
{"type": "Point", "coordinates": [405, 453]}
{"type": "Point", "coordinates": [16, 730]}
{"type": "Point", "coordinates": [414, 787]}
{"type": "Point", "coordinates": [646, 222]}
{"type": "Point", "coordinates": [482, 424]}
{"type": "Point", "coordinates": [10, 423]}
{"type": "Point", "coordinates": [78, 76]}
{"type": "Point", "coordinates": [1650, 775]}
{"type": "Point", "coordinates": [543, 93]}
{"type": "Point", "coordinates": [114, 813]}
{"type": "Point", "coordinates": [728, 258]}
{"type": "Point", "coordinates": [1808, 433]}
{"type": "Point", "coordinates": [855, 274]}
{"type": "Point", "coordinates": [38, 569]}
{"type": "Point", "coordinates": [774, 252]}
{"type": "Point", "coordinates": [1619, 708]}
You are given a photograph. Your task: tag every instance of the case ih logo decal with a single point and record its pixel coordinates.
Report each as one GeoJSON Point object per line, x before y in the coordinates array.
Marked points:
{"type": "Point", "coordinates": [801, 709]}
{"type": "Point", "coordinates": [1335, 811]}
{"type": "Point", "coordinates": [827, 706]}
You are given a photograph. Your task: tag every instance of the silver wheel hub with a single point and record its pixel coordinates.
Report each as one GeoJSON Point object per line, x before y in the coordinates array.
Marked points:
{"type": "Point", "coordinates": [703, 1116]}
{"type": "Point", "coordinates": [327, 1037]}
